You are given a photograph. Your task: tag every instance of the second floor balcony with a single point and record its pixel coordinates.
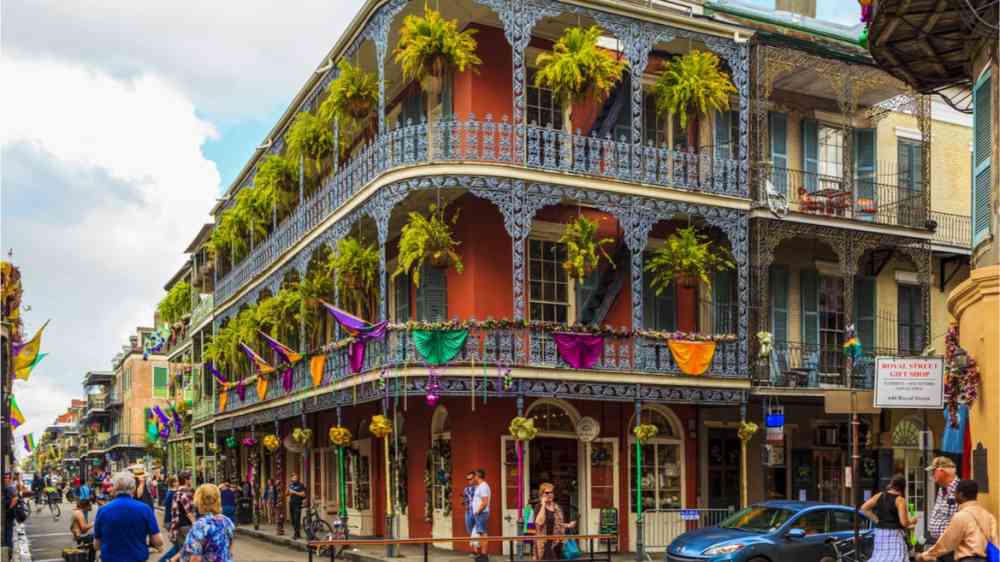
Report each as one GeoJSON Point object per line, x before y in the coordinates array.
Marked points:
{"type": "Point", "coordinates": [126, 440]}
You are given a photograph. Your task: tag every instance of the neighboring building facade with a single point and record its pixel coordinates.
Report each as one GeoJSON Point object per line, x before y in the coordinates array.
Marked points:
{"type": "Point", "coordinates": [954, 53]}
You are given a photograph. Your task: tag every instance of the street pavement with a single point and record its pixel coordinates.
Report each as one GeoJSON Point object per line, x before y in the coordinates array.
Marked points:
{"type": "Point", "coordinates": [48, 537]}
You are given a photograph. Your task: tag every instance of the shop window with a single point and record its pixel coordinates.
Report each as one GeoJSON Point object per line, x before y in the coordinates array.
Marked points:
{"type": "Point", "coordinates": [660, 475]}
{"type": "Point", "coordinates": [549, 287]}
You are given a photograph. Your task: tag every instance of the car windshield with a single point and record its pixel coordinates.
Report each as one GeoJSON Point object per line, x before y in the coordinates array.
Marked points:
{"type": "Point", "coordinates": [758, 519]}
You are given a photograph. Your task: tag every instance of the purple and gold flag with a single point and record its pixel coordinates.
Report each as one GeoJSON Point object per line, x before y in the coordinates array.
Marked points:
{"type": "Point", "coordinates": [177, 421]}
{"type": "Point", "coordinates": [215, 373]}
{"type": "Point", "coordinates": [262, 366]}
{"type": "Point", "coordinates": [241, 390]}
{"type": "Point", "coordinates": [361, 331]}
{"type": "Point", "coordinates": [284, 352]}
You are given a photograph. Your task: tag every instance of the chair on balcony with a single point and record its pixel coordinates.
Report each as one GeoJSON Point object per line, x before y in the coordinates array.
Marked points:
{"type": "Point", "coordinates": [810, 203]}
{"type": "Point", "coordinates": [866, 206]}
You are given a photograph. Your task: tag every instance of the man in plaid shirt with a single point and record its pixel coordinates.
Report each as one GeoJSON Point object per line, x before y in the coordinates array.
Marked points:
{"type": "Point", "coordinates": [182, 510]}
{"type": "Point", "coordinates": [942, 470]}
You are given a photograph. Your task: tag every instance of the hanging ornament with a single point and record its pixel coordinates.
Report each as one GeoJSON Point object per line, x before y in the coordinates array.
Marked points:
{"type": "Point", "coordinates": [231, 442]}
{"type": "Point", "coordinates": [645, 431]}
{"type": "Point", "coordinates": [380, 426]}
{"type": "Point", "coordinates": [433, 386]}
{"type": "Point", "coordinates": [249, 441]}
{"type": "Point", "coordinates": [522, 428]}
{"type": "Point", "coordinates": [506, 379]}
{"type": "Point", "coordinates": [766, 341]}
{"type": "Point", "coordinates": [302, 435]}
{"type": "Point", "coordinates": [747, 430]}
{"type": "Point", "coordinates": [340, 436]}
{"type": "Point", "coordinates": [271, 443]}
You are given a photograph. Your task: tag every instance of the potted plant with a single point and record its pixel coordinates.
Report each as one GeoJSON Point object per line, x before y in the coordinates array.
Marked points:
{"type": "Point", "coordinates": [310, 138]}
{"type": "Point", "coordinates": [692, 85]}
{"type": "Point", "coordinates": [176, 304]}
{"type": "Point", "coordinates": [352, 94]}
{"type": "Point", "coordinates": [429, 46]}
{"type": "Point", "coordinates": [275, 186]}
{"type": "Point", "coordinates": [687, 257]}
{"type": "Point", "coordinates": [427, 239]}
{"type": "Point", "coordinates": [583, 250]}
{"type": "Point", "coordinates": [577, 68]}
{"type": "Point", "coordinates": [357, 268]}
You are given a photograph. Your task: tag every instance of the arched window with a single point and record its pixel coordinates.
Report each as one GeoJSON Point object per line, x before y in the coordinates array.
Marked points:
{"type": "Point", "coordinates": [552, 417]}
{"type": "Point", "coordinates": [906, 434]}
{"type": "Point", "coordinates": [662, 466]}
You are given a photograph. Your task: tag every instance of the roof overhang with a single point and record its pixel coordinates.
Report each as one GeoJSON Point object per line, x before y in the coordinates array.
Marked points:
{"type": "Point", "coordinates": [200, 238]}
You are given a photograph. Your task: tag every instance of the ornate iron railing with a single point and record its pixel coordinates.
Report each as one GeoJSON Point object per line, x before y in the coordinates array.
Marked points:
{"type": "Point", "coordinates": [865, 198]}
{"type": "Point", "coordinates": [952, 229]}
{"type": "Point", "coordinates": [127, 440]}
{"type": "Point", "coordinates": [489, 352]}
{"type": "Point", "coordinates": [490, 142]}
{"type": "Point", "coordinates": [812, 366]}
{"type": "Point", "coordinates": [202, 310]}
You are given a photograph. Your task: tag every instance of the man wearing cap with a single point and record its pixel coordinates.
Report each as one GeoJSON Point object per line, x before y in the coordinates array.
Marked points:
{"type": "Point", "coordinates": [942, 470]}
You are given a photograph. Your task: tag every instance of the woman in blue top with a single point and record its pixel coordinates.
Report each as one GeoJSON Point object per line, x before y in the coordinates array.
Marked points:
{"type": "Point", "coordinates": [211, 536]}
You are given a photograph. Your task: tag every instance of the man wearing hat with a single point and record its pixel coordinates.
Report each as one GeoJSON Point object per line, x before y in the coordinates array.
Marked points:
{"type": "Point", "coordinates": [141, 486]}
{"type": "Point", "coordinates": [942, 470]}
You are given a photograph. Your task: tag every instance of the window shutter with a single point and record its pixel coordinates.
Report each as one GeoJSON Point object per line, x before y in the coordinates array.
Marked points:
{"type": "Point", "coordinates": [722, 140]}
{"type": "Point", "coordinates": [810, 153]}
{"type": "Point", "coordinates": [401, 291]}
{"type": "Point", "coordinates": [722, 295]}
{"type": "Point", "coordinates": [779, 151]}
{"type": "Point", "coordinates": [432, 295]}
{"type": "Point", "coordinates": [658, 311]}
{"type": "Point", "coordinates": [779, 303]}
{"type": "Point", "coordinates": [864, 311]}
{"type": "Point", "coordinates": [982, 159]}
{"type": "Point", "coordinates": [809, 292]}
{"type": "Point", "coordinates": [864, 162]}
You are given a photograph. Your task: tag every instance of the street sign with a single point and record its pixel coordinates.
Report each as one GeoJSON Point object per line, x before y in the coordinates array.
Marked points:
{"type": "Point", "coordinates": [909, 382]}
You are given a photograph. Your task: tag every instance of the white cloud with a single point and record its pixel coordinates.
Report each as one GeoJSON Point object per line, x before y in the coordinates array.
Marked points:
{"type": "Point", "coordinates": [104, 184]}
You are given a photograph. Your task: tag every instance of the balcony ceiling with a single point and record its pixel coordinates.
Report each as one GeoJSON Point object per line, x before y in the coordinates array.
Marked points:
{"type": "Point", "coordinates": [807, 82]}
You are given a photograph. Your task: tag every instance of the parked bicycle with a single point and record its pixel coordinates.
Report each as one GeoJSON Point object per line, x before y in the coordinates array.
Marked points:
{"type": "Point", "coordinates": [317, 529]}
{"type": "Point", "coordinates": [844, 551]}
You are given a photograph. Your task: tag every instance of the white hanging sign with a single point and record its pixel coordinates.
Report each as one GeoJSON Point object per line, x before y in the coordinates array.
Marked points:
{"type": "Point", "coordinates": [909, 382]}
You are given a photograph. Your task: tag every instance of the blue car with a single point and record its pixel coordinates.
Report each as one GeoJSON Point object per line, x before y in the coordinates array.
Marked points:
{"type": "Point", "coordinates": [773, 531]}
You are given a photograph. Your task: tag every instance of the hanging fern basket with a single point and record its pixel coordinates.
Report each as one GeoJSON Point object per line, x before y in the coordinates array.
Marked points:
{"type": "Point", "coordinates": [687, 280]}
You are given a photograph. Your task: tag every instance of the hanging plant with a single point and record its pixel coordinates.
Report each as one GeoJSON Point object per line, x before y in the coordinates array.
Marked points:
{"type": "Point", "coordinates": [645, 431]}
{"type": "Point", "coordinates": [577, 68]}
{"type": "Point", "coordinates": [310, 138]}
{"type": "Point", "coordinates": [357, 268]}
{"type": "Point", "coordinates": [687, 257]}
{"type": "Point", "coordinates": [302, 435]}
{"type": "Point", "coordinates": [176, 304]}
{"type": "Point", "coordinates": [352, 95]}
{"type": "Point", "coordinates": [279, 314]}
{"type": "Point", "coordinates": [380, 426]}
{"type": "Point", "coordinates": [692, 85]}
{"type": "Point", "coordinates": [428, 239]}
{"type": "Point", "coordinates": [429, 45]}
{"type": "Point", "coordinates": [231, 442]}
{"type": "Point", "coordinates": [522, 428]}
{"type": "Point", "coordinates": [583, 250]}
{"type": "Point", "coordinates": [340, 436]}
{"type": "Point", "coordinates": [766, 341]}
{"type": "Point", "coordinates": [271, 442]}
{"type": "Point", "coordinates": [276, 185]}
{"type": "Point", "coordinates": [213, 447]}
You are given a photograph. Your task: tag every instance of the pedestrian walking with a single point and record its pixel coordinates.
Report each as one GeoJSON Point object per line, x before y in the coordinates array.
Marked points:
{"type": "Point", "coordinates": [228, 493]}
{"type": "Point", "coordinates": [942, 470]}
{"type": "Point", "coordinates": [480, 510]}
{"type": "Point", "coordinates": [888, 510]}
{"type": "Point", "coordinates": [142, 492]}
{"type": "Point", "coordinates": [970, 532]}
{"type": "Point", "coordinates": [123, 526]}
{"type": "Point", "coordinates": [266, 501]}
{"type": "Point", "coordinates": [296, 496]}
{"type": "Point", "coordinates": [468, 493]}
{"type": "Point", "coordinates": [168, 515]}
{"type": "Point", "coordinates": [211, 537]}
{"type": "Point", "coordinates": [183, 515]}
{"type": "Point", "coordinates": [84, 493]}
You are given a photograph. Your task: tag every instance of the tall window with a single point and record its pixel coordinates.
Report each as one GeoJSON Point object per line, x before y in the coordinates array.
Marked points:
{"type": "Point", "coordinates": [659, 311]}
{"type": "Point", "coordinates": [548, 294]}
{"type": "Point", "coordinates": [660, 469]}
{"type": "Point", "coordinates": [831, 151]}
{"type": "Point", "coordinates": [161, 385]}
{"type": "Point", "coordinates": [654, 127]}
{"type": "Point", "coordinates": [911, 319]}
{"type": "Point", "coordinates": [541, 106]}
{"type": "Point", "coordinates": [831, 323]}
{"type": "Point", "coordinates": [910, 165]}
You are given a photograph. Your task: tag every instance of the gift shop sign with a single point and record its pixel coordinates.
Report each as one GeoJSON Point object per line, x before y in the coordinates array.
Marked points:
{"type": "Point", "coordinates": [909, 382]}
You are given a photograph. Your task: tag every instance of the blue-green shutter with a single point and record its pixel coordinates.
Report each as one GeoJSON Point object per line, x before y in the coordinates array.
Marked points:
{"type": "Point", "coordinates": [723, 127]}
{"type": "Point", "coordinates": [658, 311]}
{"type": "Point", "coordinates": [910, 165]}
{"type": "Point", "coordinates": [778, 123]}
{"type": "Point", "coordinates": [982, 158]}
{"type": "Point", "coordinates": [864, 311]}
{"type": "Point", "coordinates": [809, 294]}
{"type": "Point", "coordinates": [910, 315]}
{"type": "Point", "coordinates": [401, 290]}
{"type": "Point", "coordinates": [414, 108]}
{"type": "Point", "coordinates": [864, 162]}
{"type": "Point", "coordinates": [722, 296]}
{"type": "Point", "coordinates": [432, 295]}
{"type": "Point", "coordinates": [779, 303]}
{"type": "Point", "coordinates": [810, 153]}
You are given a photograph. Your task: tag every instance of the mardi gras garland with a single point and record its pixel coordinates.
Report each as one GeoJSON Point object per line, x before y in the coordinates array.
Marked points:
{"type": "Point", "coordinates": [645, 431]}
{"type": "Point", "coordinates": [962, 378]}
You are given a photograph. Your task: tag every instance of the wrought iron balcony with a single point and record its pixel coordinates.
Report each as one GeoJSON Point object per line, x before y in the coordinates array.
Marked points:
{"type": "Point", "coordinates": [492, 142]}
{"type": "Point", "coordinates": [127, 440]}
{"type": "Point", "coordinates": [203, 310]}
{"type": "Point", "coordinates": [491, 351]}
{"type": "Point", "coordinates": [874, 199]}
{"type": "Point", "coordinates": [952, 229]}
{"type": "Point", "coordinates": [96, 404]}
{"type": "Point", "coordinates": [796, 365]}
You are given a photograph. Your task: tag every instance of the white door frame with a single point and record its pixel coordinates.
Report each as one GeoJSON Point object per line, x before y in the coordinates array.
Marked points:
{"type": "Point", "coordinates": [441, 523]}
{"type": "Point", "coordinates": [508, 517]}
{"type": "Point", "coordinates": [590, 517]}
{"type": "Point", "coordinates": [364, 517]}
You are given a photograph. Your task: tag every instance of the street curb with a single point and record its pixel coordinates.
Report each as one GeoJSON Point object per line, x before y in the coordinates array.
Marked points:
{"type": "Point", "coordinates": [301, 545]}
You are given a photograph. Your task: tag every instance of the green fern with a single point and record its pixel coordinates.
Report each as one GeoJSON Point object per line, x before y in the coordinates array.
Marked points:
{"type": "Point", "coordinates": [429, 43]}
{"type": "Point", "coordinates": [357, 267]}
{"type": "Point", "coordinates": [427, 238]}
{"type": "Point", "coordinates": [176, 304]}
{"type": "Point", "coordinates": [583, 251]}
{"type": "Point", "coordinates": [692, 83]}
{"type": "Point", "coordinates": [310, 138]}
{"type": "Point", "coordinates": [576, 66]}
{"type": "Point", "coordinates": [352, 95]}
{"type": "Point", "coordinates": [687, 253]}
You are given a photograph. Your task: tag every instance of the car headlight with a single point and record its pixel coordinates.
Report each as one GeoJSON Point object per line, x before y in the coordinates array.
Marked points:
{"type": "Point", "coordinates": [723, 549]}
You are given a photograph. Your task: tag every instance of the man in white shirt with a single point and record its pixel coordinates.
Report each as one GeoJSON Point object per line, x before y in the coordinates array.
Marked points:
{"type": "Point", "coordinates": [480, 510]}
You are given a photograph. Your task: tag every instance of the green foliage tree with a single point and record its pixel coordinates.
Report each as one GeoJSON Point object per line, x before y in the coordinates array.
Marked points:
{"type": "Point", "coordinates": [692, 85]}
{"type": "Point", "coordinates": [687, 256]}
{"type": "Point", "coordinates": [427, 239]}
{"type": "Point", "coordinates": [583, 250]}
{"type": "Point", "coordinates": [176, 304]}
{"type": "Point", "coordinates": [576, 68]}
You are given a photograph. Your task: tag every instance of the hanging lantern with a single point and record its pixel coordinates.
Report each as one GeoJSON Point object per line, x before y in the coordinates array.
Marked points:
{"type": "Point", "coordinates": [380, 426]}
{"type": "Point", "coordinates": [340, 436]}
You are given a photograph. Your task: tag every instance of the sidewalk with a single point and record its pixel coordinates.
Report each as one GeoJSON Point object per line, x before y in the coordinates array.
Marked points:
{"type": "Point", "coordinates": [21, 550]}
{"type": "Point", "coordinates": [377, 553]}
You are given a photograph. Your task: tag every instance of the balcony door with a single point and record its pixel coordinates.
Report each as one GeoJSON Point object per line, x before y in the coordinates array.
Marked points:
{"type": "Point", "coordinates": [911, 319]}
{"type": "Point", "coordinates": [910, 182]}
{"type": "Point", "coordinates": [822, 321]}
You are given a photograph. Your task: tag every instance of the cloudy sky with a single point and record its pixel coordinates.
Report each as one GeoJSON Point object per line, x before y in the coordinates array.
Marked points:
{"type": "Point", "coordinates": [122, 123]}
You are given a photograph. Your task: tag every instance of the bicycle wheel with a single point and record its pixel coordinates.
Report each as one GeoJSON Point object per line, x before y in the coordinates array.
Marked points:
{"type": "Point", "coordinates": [321, 531]}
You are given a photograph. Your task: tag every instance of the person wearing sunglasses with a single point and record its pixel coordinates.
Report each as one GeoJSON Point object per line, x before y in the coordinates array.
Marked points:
{"type": "Point", "coordinates": [549, 522]}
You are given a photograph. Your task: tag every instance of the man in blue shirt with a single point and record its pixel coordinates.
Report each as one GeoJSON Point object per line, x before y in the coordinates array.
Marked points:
{"type": "Point", "coordinates": [123, 525]}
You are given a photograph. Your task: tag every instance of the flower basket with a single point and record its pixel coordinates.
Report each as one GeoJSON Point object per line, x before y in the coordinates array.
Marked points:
{"type": "Point", "coordinates": [428, 239]}
{"type": "Point", "coordinates": [687, 258]}
{"type": "Point", "coordinates": [301, 435]}
{"type": "Point", "coordinates": [583, 250]}
{"type": "Point", "coordinates": [249, 441]}
{"type": "Point", "coordinates": [231, 442]}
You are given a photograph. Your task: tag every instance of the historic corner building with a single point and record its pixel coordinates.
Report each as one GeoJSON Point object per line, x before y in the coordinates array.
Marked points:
{"type": "Point", "coordinates": [818, 181]}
